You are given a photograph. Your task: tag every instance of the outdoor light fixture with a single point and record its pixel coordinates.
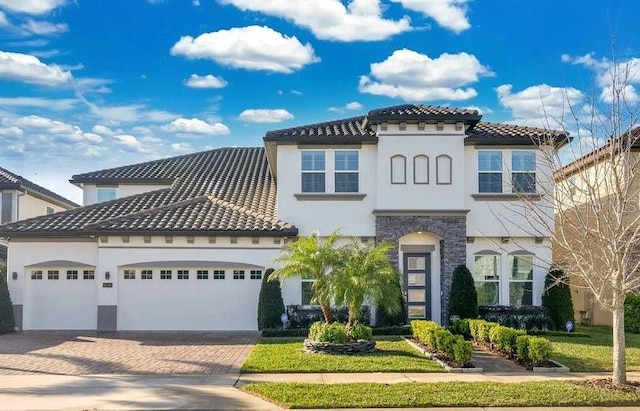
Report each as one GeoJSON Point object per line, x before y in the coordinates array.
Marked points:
{"type": "Point", "coordinates": [107, 275]}
{"type": "Point", "coordinates": [14, 275]}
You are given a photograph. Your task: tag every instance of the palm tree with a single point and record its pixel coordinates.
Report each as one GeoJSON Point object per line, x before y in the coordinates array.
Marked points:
{"type": "Point", "coordinates": [365, 270]}
{"type": "Point", "coordinates": [311, 257]}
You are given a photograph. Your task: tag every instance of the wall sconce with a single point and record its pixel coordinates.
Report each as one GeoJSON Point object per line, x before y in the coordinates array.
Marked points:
{"type": "Point", "coordinates": [504, 240]}
{"type": "Point", "coordinates": [14, 275]}
{"type": "Point", "coordinates": [107, 275]}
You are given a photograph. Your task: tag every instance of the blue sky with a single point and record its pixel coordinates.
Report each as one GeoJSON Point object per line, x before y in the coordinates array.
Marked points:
{"type": "Point", "coordinates": [91, 84]}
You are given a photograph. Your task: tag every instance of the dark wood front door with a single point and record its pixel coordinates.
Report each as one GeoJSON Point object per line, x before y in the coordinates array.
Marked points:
{"type": "Point", "coordinates": [417, 276]}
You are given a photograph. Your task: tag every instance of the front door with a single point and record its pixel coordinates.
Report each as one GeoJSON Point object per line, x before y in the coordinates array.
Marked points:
{"type": "Point", "coordinates": [417, 276]}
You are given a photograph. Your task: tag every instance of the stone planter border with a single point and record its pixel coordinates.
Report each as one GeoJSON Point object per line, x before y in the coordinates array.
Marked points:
{"type": "Point", "coordinates": [347, 348]}
{"type": "Point", "coordinates": [558, 368]}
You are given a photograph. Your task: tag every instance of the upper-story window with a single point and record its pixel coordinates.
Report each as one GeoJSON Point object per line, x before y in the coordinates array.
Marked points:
{"type": "Point", "coordinates": [490, 172]}
{"type": "Point", "coordinates": [421, 169]}
{"type": "Point", "coordinates": [398, 169]}
{"type": "Point", "coordinates": [106, 194]}
{"type": "Point", "coordinates": [346, 171]}
{"type": "Point", "coordinates": [443, 169]}
{"type": "Point", "coordinates": [6, 208]}
{"type": "Point", "coordinates": [523, 172]}
{"type": "Point", "coordinates": [313, 172]}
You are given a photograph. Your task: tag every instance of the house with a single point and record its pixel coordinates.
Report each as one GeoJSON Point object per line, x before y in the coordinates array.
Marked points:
{"type": "Point", "coordinates": [598, 198]}
{"type": "Point", "coordinates": [21, 199]}
{"type": "Point", "coordinates": [182, 243]}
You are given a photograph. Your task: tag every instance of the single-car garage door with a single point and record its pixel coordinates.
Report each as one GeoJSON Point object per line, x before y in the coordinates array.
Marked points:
{"type": "Point", "coordinates": [188, 295]}
{"type": "Point", "coordinates": [60, 295]}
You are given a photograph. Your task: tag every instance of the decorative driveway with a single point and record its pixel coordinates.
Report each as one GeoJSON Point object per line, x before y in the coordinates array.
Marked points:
{"type": "Point", "coordinates": [163, 353]}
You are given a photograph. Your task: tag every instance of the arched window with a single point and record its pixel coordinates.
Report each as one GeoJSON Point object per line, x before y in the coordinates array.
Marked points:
{"type": "Point", "coordinates": [398, 169]}
{"type": "Point", "coordinates": [421, 169]}
{"type": "Point", "coordinates": [443, 169]}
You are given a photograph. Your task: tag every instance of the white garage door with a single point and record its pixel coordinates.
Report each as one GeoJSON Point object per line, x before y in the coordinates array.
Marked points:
{"type": "Point", "coordinates": [60, 298]}
{"type": "Point", "coordinates": [188, 296]}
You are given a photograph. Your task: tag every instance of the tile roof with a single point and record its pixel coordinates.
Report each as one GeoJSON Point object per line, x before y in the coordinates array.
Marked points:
{"type": "Point", "coordinates": [498, 134]}
{"type": "Point", "coordinates": [9, 180]}
{"type": "Point", "coordinates": [349, 127]}
{"type": "Point", "coordinates": [228, 189]}
{"type": "Point", "coordinates": [408, 112]}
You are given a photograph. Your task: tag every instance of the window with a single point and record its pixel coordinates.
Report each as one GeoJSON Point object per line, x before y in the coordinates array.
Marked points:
{"type": "Point", "coordinates": [313, 172]}
{"type": "Point", "coordinates": [490, 172]}
{"type": "Point", "coordinates": [202, 274]}
{"type": "Point", "coordinates": [306, 290]}
{"type": "Point", "coordinates": [218, 274]}
{"type": "Point", "coordinates": [238, 274]}
{"type": "Point", "coordinates": [72, 274]}
{"type": "Point", "coordinates": [106, 194]}
{"type": "Point", "coordinates": [165, 274]}
{"type": "Point", "coordinates": [183, 274]}
{"type": "Point", "coordinates": [53, 275]}
{"type": "Point", "coordinates": [523, 172]}
{"type": "Point", "coordinates": [50, 210]}
{"type": "Point", "coordinates": [88, 275]}
{"type": "Point", "coordinates": [129, 274]}
{"type": "Point", "coordinates": [146, 275]}
{"type": "Point", "coordinates": [346, 170]}
{"type": "Point", "coordinates": [520, 280]}
{"type": "Point", "coordinates": [36, 275]}
{"type": "Point", "coordinates": [256, 275]}
{"type": "Point", "coordinates": [487, 278]}
{"type": "Point", "coordinates": [6, 208]}
{"type": "Point", "coordinates": [398, 169]}
{"type": "Point", "coordinates": [443, 169]}
{"type": "Point", "coordinates": [421, 169]}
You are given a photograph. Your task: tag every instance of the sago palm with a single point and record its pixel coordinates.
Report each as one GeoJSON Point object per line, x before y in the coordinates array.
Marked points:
{"type": "Point", "coordinates": [365, 270]}
{"type": "Point", "coordinates": [311, 257]}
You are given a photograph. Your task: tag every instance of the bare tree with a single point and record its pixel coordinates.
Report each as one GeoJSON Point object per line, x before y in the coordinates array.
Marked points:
{"type": "Point", "coordinates": [596, 200]}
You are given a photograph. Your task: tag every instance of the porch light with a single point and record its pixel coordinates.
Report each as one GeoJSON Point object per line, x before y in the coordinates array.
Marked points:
{"type": "Point", "coordinates": [504, 240]}
{"type": "Point", "coordinates": [107, 275]}
{"type": "Point", "coordinates": [14, 275]}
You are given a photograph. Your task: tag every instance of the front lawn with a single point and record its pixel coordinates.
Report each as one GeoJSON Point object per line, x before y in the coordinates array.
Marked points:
{"type": "Point", "coordinates": [594, 353]}
{"type": "Point", "coordinates": [444, 394]}
{"type": "Point", "coordinates": [286, 356]}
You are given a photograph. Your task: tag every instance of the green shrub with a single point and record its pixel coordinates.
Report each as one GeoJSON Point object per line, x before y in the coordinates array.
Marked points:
{"type": "Point", "coordinates": [323, 332]}
{"type": "Point", "coordinates": [423, 331]}
{"type": "Point", "coordinates": [285, 332]}
{"type": "Point", "coordinates": [444, 341]}
{"type": "Point", "coordinates": [632, 313]}
{"type": "Point", "coordinates": [522, 347]}
{"type": "Point", "coordinates": [270, 304]}
{"type": "Point", "coordinates": [394, 330]}
{"type": "Point", "coordinates": [504, 338]}
{"type": "Point", "coordinates": [539, 350]}
{"type": "Point", "coordinates": [557, 299]}
{"type": "Point", "coordinates": [7, 322]}
{"type": "Point", "coordinates": [461, 327]}
{"type": "Point", "coordinates": [360, 332]}
{"type": "Point", "coordinates": [480, 330]}
{"type": "Point", "coordinates": [462, 351]}
{"type": "Point", "coordinates": [384, 318]}
{"type": "Point", "coordinates": [463, 297]}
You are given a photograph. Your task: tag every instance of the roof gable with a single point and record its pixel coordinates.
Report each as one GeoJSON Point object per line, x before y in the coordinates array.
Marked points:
{"type": "Point", "coordinates": [9, 180]}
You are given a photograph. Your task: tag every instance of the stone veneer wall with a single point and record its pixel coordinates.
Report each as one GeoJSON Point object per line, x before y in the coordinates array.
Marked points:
{"type": "Point", "coordinates": [453, 247]}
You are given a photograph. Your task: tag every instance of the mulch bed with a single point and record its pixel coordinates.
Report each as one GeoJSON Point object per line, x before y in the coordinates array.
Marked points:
{"type": "Point", "coordinates": [608, 385]}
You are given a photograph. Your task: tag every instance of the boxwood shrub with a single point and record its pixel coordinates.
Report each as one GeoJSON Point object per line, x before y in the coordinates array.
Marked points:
{"type": "Point", "coordinates": [632, 313]}
{"type": "Point", "coordinates": [443, 341]}
{"type": "Point", "coordinates": [533, 350]}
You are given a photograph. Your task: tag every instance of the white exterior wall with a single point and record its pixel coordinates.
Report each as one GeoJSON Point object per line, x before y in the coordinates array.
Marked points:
{"type": "Point", "coordinates": [541, 261]}
{"type": "Point", "coordinates": [508, 217]}
{"type": "Point", "coordinates": [90, 191]}
{"type": "Point", "coordinates": [351, 216]}
{"type": "Point", "coordinates": [29, 206]}
{"type": "Point", "coordinates": [409, 143]}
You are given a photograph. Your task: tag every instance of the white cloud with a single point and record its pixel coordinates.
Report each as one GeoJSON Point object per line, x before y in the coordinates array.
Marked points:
{"type": "Point", "coordinates": [104, 130]}
{"type": "Point", "coordinates": [359, 20]}
{"type": "Point", "coordinates": [47, 130]}
{"type": "Point", "coordinates": [195, 126]}
{"type": "Point", "coordinates": [28, 69]}
{"type": "Point", "coordinates": [354, 105]}
{"type": "Point", "coordinates": [541, 105]}
{"type": "Point", "coordinates": [412, 76]}
{"type": "Point", "coordinates": [44, 28]}
{"type": "Point", "coordinates": [40, 124]}
{"type": "Point", "coordinates": [296, 92]}
{"type": "Point", "coordinates": [34, 7]}
{"type": "Point", "coordinates": [208, 81]}
{"type": "Point", "coordinates": [62, 104]}
{"type": "Point", "coordinates": [623, 93]}
{"type": "Point", "coordinates": [182, 147]}
{"type": "Point", "coordinates": [130, 143]}
{"type": "Point", "coordinates": [114, 115]}
{"type": "Point", "coordinates": [450, 14]}
{"type": "Point", "coordinates": [265, 115]}
{"type": "Point", "coordinates": [251, 48]}
{"type": "Point", "coordinates": [3, 20]}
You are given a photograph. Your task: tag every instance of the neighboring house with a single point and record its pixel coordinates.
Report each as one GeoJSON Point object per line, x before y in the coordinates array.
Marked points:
{"type": "Point", "coordinates": [21, 199]}
{"type": "Point", "coordinates": [590, 185]}
{"type": "Point", "coordinates": [182, 243]}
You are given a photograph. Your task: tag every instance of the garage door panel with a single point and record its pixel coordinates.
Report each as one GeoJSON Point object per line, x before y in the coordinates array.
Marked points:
{"type": "Point", "coordinates": [61, 305]}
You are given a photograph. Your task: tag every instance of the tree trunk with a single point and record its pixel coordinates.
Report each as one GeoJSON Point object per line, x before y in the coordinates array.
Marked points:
{"type": "Point", "coordinates": [351, 320]}
{"type": "Point", "coordinates": [326, 312]}
{"type": "Point", "coordinates": [619, 359]}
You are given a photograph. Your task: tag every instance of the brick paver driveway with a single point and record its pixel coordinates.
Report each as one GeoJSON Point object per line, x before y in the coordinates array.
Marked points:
{"type": "Point", "coordinates": [82, 353]}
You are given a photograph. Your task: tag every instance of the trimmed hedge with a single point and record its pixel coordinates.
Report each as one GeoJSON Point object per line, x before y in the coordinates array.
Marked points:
{"type": "Point", "coordinates": [338, 333]}
{"type": "Point", "coordinates": [304, 332]}
{"type": "Point", "coordinates": [504, 339]}
{"type": "Point", "coordinates": [463, 297]}
{"type": "Point", "coordinates": [443, 341]}
{"type": "Point", "coordinates": [395, 330]}
{"type": "Point", "coordinates": [534, 350]}
{"type": "Point", "coordinates": [557, 299]}
{"type": "Point", "coordinates": [526, 317]}
{"type": "Point", "coordinates": [270, 303]}
{"type": "Point", "coordinates": [632, 313]}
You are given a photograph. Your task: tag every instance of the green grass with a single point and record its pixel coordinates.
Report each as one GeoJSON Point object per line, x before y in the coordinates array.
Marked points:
{"type": "Point", "coordinates": [444, 394]}
{"type": "Point", "coordinates": [285, 355]}
{"type": "Point", "coordinates": [593, 353]}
